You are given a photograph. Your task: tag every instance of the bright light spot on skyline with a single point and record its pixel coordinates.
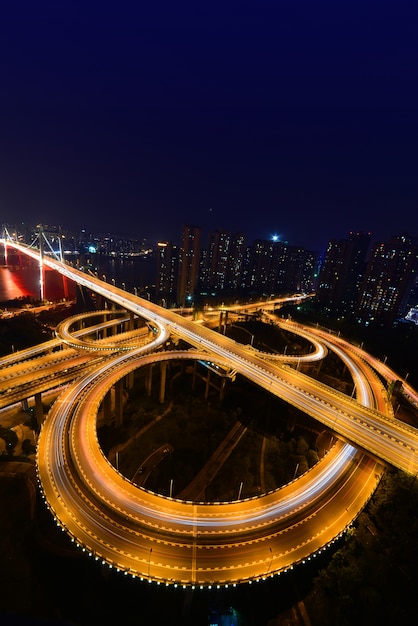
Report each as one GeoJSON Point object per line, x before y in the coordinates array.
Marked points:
{"type": "Point", "coordinates": [276, 237]}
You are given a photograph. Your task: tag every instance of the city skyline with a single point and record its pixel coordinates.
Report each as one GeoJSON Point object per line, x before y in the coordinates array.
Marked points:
{"type": "Point", "coordinates": [151, 242]}
{"type": "Point", "coordinates": [296, 121]}
{"type": "Point", "coordinates": [360, 279]}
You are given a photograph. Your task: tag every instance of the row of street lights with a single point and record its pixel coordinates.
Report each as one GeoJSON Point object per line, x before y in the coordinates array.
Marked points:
{"type": "Point", "coordinates": [113, 281]}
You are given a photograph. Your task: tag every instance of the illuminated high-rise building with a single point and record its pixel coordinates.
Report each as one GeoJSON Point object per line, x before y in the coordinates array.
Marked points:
{"type": "Point", "coordinates": [219, 248]}
{"type": "Point", "coordinates": [296, 273]}
{"type": "Point", "coordinates": [342, 272]}
{"type": "Point", "coordinates": [167, 272]}
{"type": "Point", "coordinates": [262, 265]}
{"type": "Point", "coordinates": [223, 261]}
{"type": "Point", "coordinates": [189, 262]}
{"type": "Point", "coordinates": [274, 267]}
{"type": "Point", "coordinates": [236, 262]}
{"type": "Point", "coordinates": [390, 276]}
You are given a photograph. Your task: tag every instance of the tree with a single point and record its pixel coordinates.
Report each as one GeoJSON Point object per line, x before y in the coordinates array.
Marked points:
{"type": "Point", "coordinates": [27, 447]}
{"type": "Point", "coordinates": [10, 438]}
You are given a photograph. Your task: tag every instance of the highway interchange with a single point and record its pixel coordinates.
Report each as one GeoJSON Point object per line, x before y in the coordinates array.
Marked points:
{"type": "Point", "coordinates": [201, 544]}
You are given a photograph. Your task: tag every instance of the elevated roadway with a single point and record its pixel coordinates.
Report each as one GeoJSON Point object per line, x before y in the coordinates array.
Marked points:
{"type": "Point", "coordinates": [194, 543]}
{"type": "Point", "coordinates": [392, 441]}
{"type": "Point", "coordinates": [179, 542]}
{"type": "Point", "coordinates": [52, 364]}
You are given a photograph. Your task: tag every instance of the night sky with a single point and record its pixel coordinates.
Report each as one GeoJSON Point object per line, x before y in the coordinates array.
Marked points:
{"type": "Point", "coordinates": [286, 117]}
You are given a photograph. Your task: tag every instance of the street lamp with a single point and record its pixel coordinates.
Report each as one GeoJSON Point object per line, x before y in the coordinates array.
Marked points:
{"type": "Point", "coordinates": [149, 562]}
{"type": "Point", "coordinates": [245, 330]}
{"type": "Point", "coordinates": [271, 559]}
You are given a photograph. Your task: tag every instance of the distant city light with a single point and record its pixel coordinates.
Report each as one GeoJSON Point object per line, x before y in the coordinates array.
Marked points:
{"type": "Point", "coordinates": [412, 315]}
{"type": "Point", "coordinates": [276, 237]}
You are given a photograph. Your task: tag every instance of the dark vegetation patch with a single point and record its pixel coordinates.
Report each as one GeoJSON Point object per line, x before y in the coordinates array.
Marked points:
{"type": "Point", "coordinates": [279, 442]}
{"type": "Point", "coordinates": [372, 578]}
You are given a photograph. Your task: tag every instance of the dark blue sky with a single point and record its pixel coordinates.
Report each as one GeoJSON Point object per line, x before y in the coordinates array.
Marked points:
{"type": "Point", "coordinates": [289, 117]}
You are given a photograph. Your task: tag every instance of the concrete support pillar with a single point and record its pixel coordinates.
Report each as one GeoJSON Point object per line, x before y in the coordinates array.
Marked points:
{"type": "Point", "coordinates": [148, 380]}
{"type": "Point", "coordinates": [222, 389]}
{"type": "Point", "coordinates": [39, 409]}
{"type": "Point", "coordinates": [65, 288]}
{"type": "Point", "coordinates": [163, 378]}
{"type": "Point", "coordinates": [119, 403]}
{"type": "Point", "coordinates": [105, 330]}
{"type": "Point", "coordinates": [194, 375]}
{"type": "Point", "coordinates": [130, 380]}
{"type": "Point", "coordinates": [223, 322]}
{"type": "Point", "coordinates": [131, 321]}
{"type": "Point", "coordinates": [163, 369]}
{"type": "Point", "coordinates": [220, 322]}
{"type": "Point", "coordinates": [107, 407]}
{"type": "Point", "coordinates": [207, 385]}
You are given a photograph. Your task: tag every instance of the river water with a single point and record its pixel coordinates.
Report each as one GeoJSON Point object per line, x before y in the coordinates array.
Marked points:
{"type": "Point", "coordinates": [20, 278]}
